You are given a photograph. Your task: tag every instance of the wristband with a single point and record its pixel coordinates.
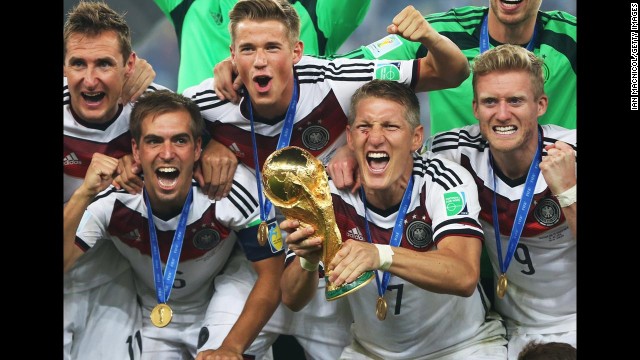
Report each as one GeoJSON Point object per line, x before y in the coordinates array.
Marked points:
{"type": "Point", "coordinates": [308, 265]}
{"type": "Point", "coordinates": [386, 256]}
{"type": "Point", "coordinates": [568, 197]}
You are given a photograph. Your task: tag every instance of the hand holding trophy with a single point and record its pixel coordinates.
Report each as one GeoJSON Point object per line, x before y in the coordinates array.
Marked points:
{"type": "Point", "coordinates": [297, 184]}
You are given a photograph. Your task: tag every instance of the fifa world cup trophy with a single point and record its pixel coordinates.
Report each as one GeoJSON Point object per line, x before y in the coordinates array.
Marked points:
{"type": "Point", "coordinates": [297, 184]}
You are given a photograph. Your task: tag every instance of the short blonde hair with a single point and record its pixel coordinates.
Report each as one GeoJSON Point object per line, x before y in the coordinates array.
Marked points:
{"type": "Point", "coordinates": [509, 57]}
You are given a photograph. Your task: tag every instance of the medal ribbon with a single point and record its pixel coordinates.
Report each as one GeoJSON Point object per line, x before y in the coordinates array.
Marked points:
{"type": "Point", "coordinates": [165, 283]}
{"type": "Point", "coordinates": [284, 140]}
{"type": "Point", "coordinates": [523, 208]}
{"type": "Point", "coordinates": [396, 235]}
{"type": "Point", "coordinates": [484, 36]}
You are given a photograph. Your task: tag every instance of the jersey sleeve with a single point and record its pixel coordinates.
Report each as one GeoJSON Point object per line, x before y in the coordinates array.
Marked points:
{"type": "Point", "coordinates": [390, 47]}
{"type": "Point", "coordinates": [240, 209]}
{"type": "Point", "coordinates": [66, 99]}
{"type": "Point", "coordinates": [347, 75]}
{"type": "Point", "coordinates": [93, 225]}
{"type": "Point", "coordinates": [247, 217]}
{"type": "Point", "coordinates": [453, 201]}
{"type": "Point", "coordinates": [449, 144]}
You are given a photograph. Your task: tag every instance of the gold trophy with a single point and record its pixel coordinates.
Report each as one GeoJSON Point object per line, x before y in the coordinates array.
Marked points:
{"type": "Point", "coordinates": [297, 184]}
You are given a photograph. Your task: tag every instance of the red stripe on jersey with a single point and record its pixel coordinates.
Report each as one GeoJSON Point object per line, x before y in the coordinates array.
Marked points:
{"type": "Point", "coordinates": [308, 133]}
{"type": "Point", "coordinates": [132, 229]}
{"type": "Point", "coordinates": [347, 218]}
{"type": "Point", "coordinates": [84, 150]}
{"type": "Point", "coordinates": [507, 209]}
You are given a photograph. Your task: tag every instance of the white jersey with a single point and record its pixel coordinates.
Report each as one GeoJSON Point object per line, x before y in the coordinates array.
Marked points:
{"type": "Point", "coordinates": [101, 280]}
{"type": "Point", "coordinates": [211, 232]}
{"type": "Point", "coordinates": [325, 89]}
{"type": "Point", "coordinates": [418, 322]}
{"type": "Point", "coordinates": [541, 291]}
{"type": "Point", "coordinates": [324, 95]}
{"type": "Point", "coordinates": [82, 139]}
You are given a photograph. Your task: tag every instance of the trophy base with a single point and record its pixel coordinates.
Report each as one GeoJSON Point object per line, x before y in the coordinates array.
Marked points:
{"type": "Point", "coordinates": [333, 292]}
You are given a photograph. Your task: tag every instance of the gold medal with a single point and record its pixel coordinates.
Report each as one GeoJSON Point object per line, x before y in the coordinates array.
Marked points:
{"type": "Point", "coordinates": [263, 233]}
{"type": "Point", "coordinates": [502, 285]}
{"type": "Point", "coordinates": [381, 308]}
{"type": "Point", "coordinates": [161, 315]}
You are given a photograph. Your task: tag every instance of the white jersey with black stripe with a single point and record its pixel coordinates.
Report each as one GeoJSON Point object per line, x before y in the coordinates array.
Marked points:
{"type": "Point", "coordinates": [211, 232]}
{"type": "Point", "coordinates": [81, 140]}
{"type": "Point", "coordinates": [541, 291]}
{"type": "Point", "coordinates": [419, 322]}
{"type": "Point", "coordinates": [325, 89]}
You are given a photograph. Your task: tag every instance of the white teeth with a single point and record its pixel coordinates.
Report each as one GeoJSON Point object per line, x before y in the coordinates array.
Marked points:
{"type": "Point", "coordinates": [505, 130]}
{"type": "Point", "coordinates": [167, 170]}
{"type": "Point", "coordinates": [377, 155]}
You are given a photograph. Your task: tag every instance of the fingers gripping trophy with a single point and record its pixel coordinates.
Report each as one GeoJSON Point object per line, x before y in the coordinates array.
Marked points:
{"type": "Point", "coordinates": [297, 184]}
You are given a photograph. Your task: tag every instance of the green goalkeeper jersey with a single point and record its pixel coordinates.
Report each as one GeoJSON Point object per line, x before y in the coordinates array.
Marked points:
{"type": "Point", "coordinates": [202, 29]}
{"type": "Point", "coordinates": [452, 108]}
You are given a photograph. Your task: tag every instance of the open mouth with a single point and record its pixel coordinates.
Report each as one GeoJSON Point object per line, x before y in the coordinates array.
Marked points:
{"type": "Point", "coordinates": [511, 2]}
{"type": "Point", "coordinates": [262, 82]}
{"type": "Point", "coordinates": [93, 97]}
{"type": "Point", "coordinates": [377, 161]}
{"type": "Point", "coordinates": [167, 177]}
{"type": "Point", "coordinates": [505, 130]}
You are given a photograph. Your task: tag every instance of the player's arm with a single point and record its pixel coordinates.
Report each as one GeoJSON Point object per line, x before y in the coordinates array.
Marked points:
{"type": "Point", "coordinates": [299, 283]}
{"type": "Point", "coordinates": [343, 169]}
{"type": "Point", "coordinates": [445, 66]}
{"type": "Point", "coordinates": [136, 83]}
{"type": "Point", "coordinates": [227, 84]}
{"type": "Point", "coordinates": [98, 177]}
{"type": "Point", "coordinates": [337, 29]}
{"type": "Point", "coordinates": [454, 268]}
{"type": "Point", "coordinates": [261, 303]}
{"type": "Point", "coordinates": [559, 170]}
{"type": "Point", "coordinates": [215, 170]}
{"type": "Point", "coordinates": [128, 177]}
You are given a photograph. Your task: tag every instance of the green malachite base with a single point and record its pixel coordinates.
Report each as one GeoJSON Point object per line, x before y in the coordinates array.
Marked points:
{"type": "Point", "coordinates": [333, 292]}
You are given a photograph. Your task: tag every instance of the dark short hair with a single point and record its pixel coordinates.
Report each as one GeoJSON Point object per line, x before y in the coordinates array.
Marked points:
{"type": "Point", "coordinates": [160, 102]}
{"type": "Point", "coordinates": [94, 18]}
{"type": "Point", "coordinates": [389, 90]}
{"type": "Point", "coordinates": [548, 351]}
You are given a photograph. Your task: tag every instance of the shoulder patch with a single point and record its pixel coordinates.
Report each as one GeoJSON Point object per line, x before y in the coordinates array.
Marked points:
{"type": "Point", "coordinates": [455, 203]}
{"type": "Point", "coordinates": [384, 45]}
{"type": "Point", "coordinates": [388, 71]}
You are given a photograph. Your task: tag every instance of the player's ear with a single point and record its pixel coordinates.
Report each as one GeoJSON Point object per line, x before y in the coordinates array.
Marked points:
{"type": "Point", "coordinates": [298, 48]}
{"type": "Point", "coordinates": [198, 148]}
{"type": "Point", "coordinates": [417, 138]}
{"type": "Point", "coordinates": [130, 63]}
{"type": "Point", "coordinates": [135, 151]}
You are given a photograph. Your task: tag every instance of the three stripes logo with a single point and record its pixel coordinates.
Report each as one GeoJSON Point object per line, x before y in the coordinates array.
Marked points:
{"type": "Point", "coordinates": [71, 159]}
{"type": "Point", "coordinates": [355, 234]}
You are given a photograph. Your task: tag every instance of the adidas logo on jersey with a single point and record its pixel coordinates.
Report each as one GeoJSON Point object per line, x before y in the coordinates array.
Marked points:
{"type": "Point", "coordinates": [355, 234]}
{"type": "Point", "coordinates": [71, 159]}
